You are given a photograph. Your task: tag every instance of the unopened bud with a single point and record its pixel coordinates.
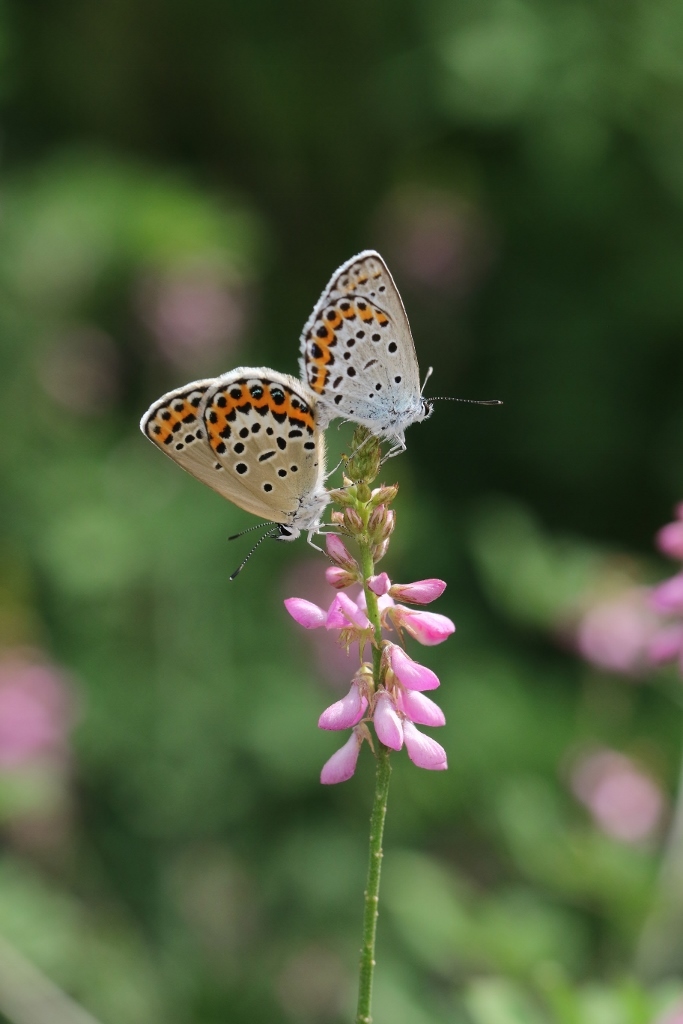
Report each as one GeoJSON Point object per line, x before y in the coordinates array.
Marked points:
{"type": "Point", "coordinates": [337, 518]}
{"type": "Point", "coordinates": [376, 520]}
{"type": "Point", "coordinates": [339, 553]}
{"type": "Point", "coordinates": [363, 466]}
{"type": "Point", "coordinates": [364, 679]}
{"type": "Point", "coordinates": [342, 496]}
{"type": "Point", "coordinates": [380, 550]}
{"type": "Point", "coordinates": [384, 495]}
{"type": "Point", "coordinates": [339, 578]}
{"type": "Point", "coordinates": [381, 523]}
{"type": "Point", "coordinates": [389, 523]}
{"type": "Point", "coordinates": [352, 521]}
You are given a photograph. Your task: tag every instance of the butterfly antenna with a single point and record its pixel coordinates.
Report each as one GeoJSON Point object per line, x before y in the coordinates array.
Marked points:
{"type": "Point", "coordinates": [266, 536]}
{"type": "Point", "coordinates": [249, 529]}
{"type": "Point", "coordinates": [470, 401]}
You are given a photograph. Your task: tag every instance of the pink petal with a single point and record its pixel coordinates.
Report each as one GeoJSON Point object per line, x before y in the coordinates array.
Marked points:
{"type": "Point", "coordinates": [342, 764]}
{"type": "Point", "coordinates": [338, 577]}
{"type": "Point", "coordinates": [669, 540]}
{"type": "Point", "coordinates": [379, 584]}
{"type": "Point", "coordinates": [354, 615]}
{"type": "Point", "coordinates": [339, 553]}
{"type": "Point", "coordinates": [335, 616]}
{"type": "Point", "coordinates": [422, 592]}
{"type": "Point", "coordinates": [409, 673]}
{"type": "Point", "coordinates": [305, 613]}
{"type": "Point", "coordinates": [427, 628]}
{"type": "Point", "coordinates": [383, 602]}
{"type": "Point", "coordinates": [667, 598]}
{"type": "Point", "coordinates": [387, 723]}
{"type": "Point", "coordinates": [423, 750]}
{"type": "Point", "coordinates": [666, 645]}
{"type": "Point", "coordinates": [346, 712]}
{"type": "Point", "coordinates": [421, 709]}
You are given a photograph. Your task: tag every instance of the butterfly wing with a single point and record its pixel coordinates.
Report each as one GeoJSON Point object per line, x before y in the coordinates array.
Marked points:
{"type": "Point", "coordinates": [175, 425]}
{"type": "Point", "coordinates": [265, 444]}
{"type": "Point", "coordinates": [358, 354]}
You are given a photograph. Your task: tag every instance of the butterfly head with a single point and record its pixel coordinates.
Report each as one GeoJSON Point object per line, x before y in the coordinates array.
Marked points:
{"type": "Point", "coordinates": [287, 532]}
{"type": "Point", "coordinates": [426, 408]}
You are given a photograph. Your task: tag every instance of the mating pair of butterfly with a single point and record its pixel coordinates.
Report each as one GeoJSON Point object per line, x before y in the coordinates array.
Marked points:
{"type": "Point", "coordinates": [256, 436]}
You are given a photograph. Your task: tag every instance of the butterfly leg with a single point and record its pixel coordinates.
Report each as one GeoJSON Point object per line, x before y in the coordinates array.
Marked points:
{"type": "Point", "coordinates": [397, 448]}
{"type": "Point", "coordinates": [310, 541]}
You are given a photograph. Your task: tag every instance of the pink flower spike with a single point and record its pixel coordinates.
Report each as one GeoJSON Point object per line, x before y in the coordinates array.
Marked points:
{"type": "Point", "coordinates": [427, 628]}
{"type": "Point", "coordinates": [342, 764]}
{"type": "Point", "coordinates": [409, 673]}
{"type": "Point", "coordinates": [387, 723]}
{"type": "Point", "coordinates": [422, 592]}
{"type": "Point", "coordinates": [421, 709]}
{"type": "Point", "coordinates": [346, 712]}
{"type": "Point", "coordinates": [666, 645]}
{"type": "Point", "coordinates": [423, 750]}
{"type": "Point", "coordinates": [305, 613]}
{"type": "Point", "coordinates": [379, 584]}
{"type": "Point", "coordinates": [354, 615]}
{"type": "Point", "coordinates": [339, 553]}
{"type": "Point", "coordinates": [667, 598]}
{"type": "Point", "coordinates": [338, 578]}
{"type": "Point", "coordinates": [669, 540]}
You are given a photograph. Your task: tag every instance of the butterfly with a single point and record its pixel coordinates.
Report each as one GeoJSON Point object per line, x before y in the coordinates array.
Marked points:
{"type": "Point", "coordinates": [252, 435]}
{"type": "Point", "coordinates": [358, 355]}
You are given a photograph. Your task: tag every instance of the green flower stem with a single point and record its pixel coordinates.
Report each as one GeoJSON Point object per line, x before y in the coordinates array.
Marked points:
{"type": "Point", "coordinates": [379, 810]}
{"type": "Point", "coordinates": [361, 470]}
{"type": "Point", "coordinates": [371, 912]}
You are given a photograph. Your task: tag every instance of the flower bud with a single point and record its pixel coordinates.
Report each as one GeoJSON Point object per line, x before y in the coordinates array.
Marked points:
{"type": "Point", "coordinates": [383, 495]}
{"type": "Point", "coordinates": [346, 712]}
{"type": "Point", "coordinates": [387, 722]}
{"type": "Point", "coordinates": [427, 628]}
{"type": "Point", "coordinates": [423, 750]}
{"type": "Point", "coordinates": [389, 523]}
{"type": "Point", "coordinates": [307, 614]}
{"type": "Point", "coordinates": [376, 521]}
{"type": "Point", "coordinates": [337, 518]}
{"type": "Point", "coordinates": [352, 521]}
{"type": "Point", "coordinates": [379, 585]}
{"type": "Point", "coordinates": [379, 551]}
{"type": "Point", "coordinates": [339, 553]}
{"type": "Point", "coordinates": [342, 764]}
{"type": "Point", "coordinates": [364, 464]}
{"type": "Point", "coordinates": [342, 496]}
{"type": "Point", "coordinates": [339, 578]}
{"type": "Point", "coordinates": [422, 592]}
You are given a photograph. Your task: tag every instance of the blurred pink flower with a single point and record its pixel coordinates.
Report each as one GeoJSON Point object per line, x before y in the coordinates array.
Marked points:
{"type": "Point", "coordinates": [438, 239]}
{"type": "Point", "coordinates": [669, 539]}
{"type": "Point", "coordinates": [623, 800]}
{"type": "Point", "coordinates": [36, 711]}
{"type": "Point", "coordinates": [195, 313]}
{"type": "Point", "coordinates": [616, 633]}
{"type": "Point", "coordinates": [674, 1015]}
{"type": "Point", "coordinates": [80, 370]}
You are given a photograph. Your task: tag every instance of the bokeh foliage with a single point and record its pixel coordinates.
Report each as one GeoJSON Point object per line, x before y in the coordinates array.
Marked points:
{"type": "Point", "coordinates": [520, 165]}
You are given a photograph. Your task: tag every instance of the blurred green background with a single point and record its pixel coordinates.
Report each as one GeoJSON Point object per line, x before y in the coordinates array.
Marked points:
{"type": "Point", "coordinates": [178, 181]}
